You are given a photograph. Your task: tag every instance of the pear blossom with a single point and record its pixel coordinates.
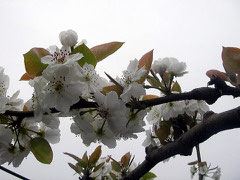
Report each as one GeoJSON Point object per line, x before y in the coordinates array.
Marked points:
{"type": "Point", "coordinates": [132, 73]}
{"type": "Point", "coordinates": [155, 114]}
{"type": "Point", "coordinates": [134, 125]}
{"type": "Point", "coordinates": [217, 174]}
{"type": "Point", "coordinates": [4, 82]}
{"type": "Point", "coordinates": [51, 135]}
{"type": "Point", "coordinates": [172, 109]}
{"type": "Point", "coordinates": [113, 110]}
{"type": "Point", "coordinates": [62, 90]}
{"type": "Point", "coordinates": [14, 103]}
{"type": "Point", "coordinates": [149, 139]}
{"type": "Point", "coordinates": [60, 56]}
{"type": "Point", "coordinates": [68, 38]}
{"type": "Point", "coordinates": [169, 65]}
{"type": "Point", "coordinates": [134, 90]}
{"type": "Point", "coordinates": [88, 75]}
{"type": "Point", "coordinates": [193, 106]}
{"type": "Point", "coordinates": [193, 171]}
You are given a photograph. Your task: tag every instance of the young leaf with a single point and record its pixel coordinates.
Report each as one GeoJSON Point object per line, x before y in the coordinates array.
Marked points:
{"type": "Point", "coordinates": [125, 159]}
{"type": "Point", "coordinates": [98, 167]}
{"type": "Point", "coordinates": [108, 89]}
{"type": "Point", "coordinates": [116, 166]}
{"type": "Point", "coordinates": [95, 156]}
{"type": "Point", "coordinates": [149, 175]}
{"type": "Point", "coordinates": [104, 50]}
{"type": "Point", "coordinates": [176, 87]}
{"type": "Point", "coordinates": [113, 176]}
{"type": "Point", "coordinates": [162, 133]}
{"type": "Point", "coordinates": [25, 77]}
{"type": "Point", "coordinates": [88, 56]}
{"type": "Point", "coordinates": [79, 160]}
{"type": "Point", "coordinates": [85, 157]}
{"type": "Point", "coordinates": [146, 61]}
{"type": "Point", "coordinates": [41, 150]}
{"type": "Point", "coordinates": [74, 167]}
{"type": "Point", "coordinates": [193, 163]}
{"type": "Point", "coordinates": [146, 97]}
{"type": "Point", "coordinates": [32, 61]}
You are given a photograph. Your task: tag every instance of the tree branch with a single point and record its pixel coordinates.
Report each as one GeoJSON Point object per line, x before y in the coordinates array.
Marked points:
{"type": "Point", "coordinates": [211, 124]}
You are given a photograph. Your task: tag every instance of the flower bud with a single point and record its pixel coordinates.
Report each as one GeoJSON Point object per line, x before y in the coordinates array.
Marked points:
{"type": "Point", "coordinates": [68, 38]}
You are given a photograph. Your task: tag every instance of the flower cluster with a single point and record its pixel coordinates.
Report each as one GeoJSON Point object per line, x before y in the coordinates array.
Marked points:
{"type": "Point", "coordinates": [171, 119]}
{"type": "Point", "coordinates": [205, 171]}
{"type": "Point", "coordinates": [64, 78]}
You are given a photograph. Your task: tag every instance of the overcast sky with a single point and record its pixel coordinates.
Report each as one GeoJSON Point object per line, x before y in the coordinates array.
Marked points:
{"type": "Point", "coordinates": [191, 31]}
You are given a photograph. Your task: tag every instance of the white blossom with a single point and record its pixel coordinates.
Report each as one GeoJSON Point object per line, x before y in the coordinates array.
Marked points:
{"type": "Point", "coordinates": [154, 115]}
{"type": "Point", "coordinates": [60, 56]}
{"type": "Point", "coordinates": [169, 65]}
{"type": "Point", "coordinates": [62, 90]}
{"type": "Point", "coordinates": [132, 73]}
{"type": "Point", "coordinates": [193, 106]}
{"type": "Point", "coordinates": [68, 38]}
{"type": "Point", "coordinates": [172, 109]}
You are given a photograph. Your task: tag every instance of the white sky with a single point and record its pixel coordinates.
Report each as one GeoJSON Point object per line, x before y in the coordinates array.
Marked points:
{"type": "Point", "coordinates": [192, 31]}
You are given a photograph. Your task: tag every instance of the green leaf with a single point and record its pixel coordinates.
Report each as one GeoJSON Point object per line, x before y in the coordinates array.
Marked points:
{"type": "Point", "coordinates": [80, 162]}
{"type": "Point", "coordinates": [88, 56]}
{"type": "Point", "coordinates": [32, 61]}
{"type": "Point", "coordinates": [104, 50]}
{"type": "Point", "coordinates": [148, 175]}
{"type": "Point", "coordinates": [41, 150]}
{"type": "Point", "coordinates": [154, 82]}
{"type": "Point", "coordinates": [98, 166]}
{"type": "Point", "coordinates": [95, 156]}
{"type": "Point", "coordinates": [85, 157]}
{"type": "Point", "coordinates": [72, 156]}
{"type": "Point", "coordinates": [116, 166]}
{"type": "Point", "coordinates": [74, 167]}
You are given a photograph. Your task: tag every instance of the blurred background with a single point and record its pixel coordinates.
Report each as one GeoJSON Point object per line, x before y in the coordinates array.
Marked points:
{"type": "Point", "coordinates": [191, 31]}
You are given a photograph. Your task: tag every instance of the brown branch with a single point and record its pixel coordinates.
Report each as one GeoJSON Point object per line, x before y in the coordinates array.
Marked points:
{"type": "Point", "coordinates": [211, 124]}
{"type": "Point", "coordinates": [210, 95]}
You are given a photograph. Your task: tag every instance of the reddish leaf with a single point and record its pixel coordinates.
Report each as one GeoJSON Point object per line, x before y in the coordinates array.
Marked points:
{"type": "Point", "coordinates": [231, 59]}
{"type": "Point", "coordinates": [104, 50]}
{"type": "Point", "coordinates": [125, 159]}
{"type": "Point", "coordinates": [214, 72]}
{"type": "Point", "coordinates": [95, 156]}
{"type": "Point", "coordinates": [108, 89]}
{"type": "Point", "coordinates": [26, 77]}
{"type": "Point", "coordinates": [146, 61]}
{"type": "Point", "coordinates": [146, 97]}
